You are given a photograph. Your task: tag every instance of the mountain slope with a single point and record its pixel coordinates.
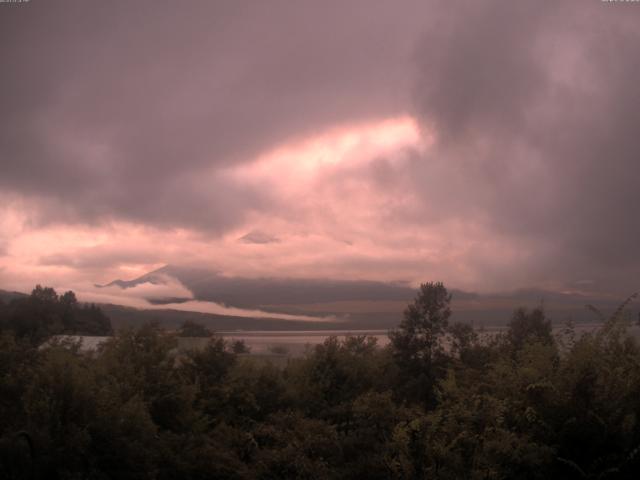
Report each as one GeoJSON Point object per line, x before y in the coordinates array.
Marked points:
{"type": "Point", "coordinates": [255, 292]}
{"type": "Point", "coordinates": [365, 304]}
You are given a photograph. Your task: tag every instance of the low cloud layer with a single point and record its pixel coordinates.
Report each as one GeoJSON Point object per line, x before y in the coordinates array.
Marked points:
{"type": "Point", "coordinates": [491, 144]}
{"type": "Point", "coordinates": [147, 294]}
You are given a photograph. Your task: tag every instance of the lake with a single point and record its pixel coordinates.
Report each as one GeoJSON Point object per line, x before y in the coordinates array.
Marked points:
{"type": "Point", "coordinates": [295, 343]}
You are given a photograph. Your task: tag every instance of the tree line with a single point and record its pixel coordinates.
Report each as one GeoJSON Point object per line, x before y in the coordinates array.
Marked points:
{"type": "Point", "coordinates": [44, 313]}
{"type": "Point", "coordinates": [441, 400]}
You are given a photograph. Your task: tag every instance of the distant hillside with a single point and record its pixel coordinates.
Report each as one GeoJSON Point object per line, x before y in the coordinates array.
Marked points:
{"type": "Point", "coordinates": [359, 304]}
{"type": "Point", "coordinates": [7, 296]}
{"type": "Point", "coordinates": [255, 292]}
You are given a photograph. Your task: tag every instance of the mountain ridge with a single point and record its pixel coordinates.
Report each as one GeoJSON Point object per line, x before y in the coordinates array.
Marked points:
{"type": "Point", "coordinates": [363, 301]}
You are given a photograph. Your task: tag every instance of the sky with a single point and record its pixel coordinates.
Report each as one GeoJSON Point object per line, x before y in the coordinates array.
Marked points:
{"type": "Point", "coordinates": [492, 145]}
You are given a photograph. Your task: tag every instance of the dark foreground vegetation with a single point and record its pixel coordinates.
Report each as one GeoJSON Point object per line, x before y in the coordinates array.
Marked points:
{"type": "Point", "coordinates": [441, 401]}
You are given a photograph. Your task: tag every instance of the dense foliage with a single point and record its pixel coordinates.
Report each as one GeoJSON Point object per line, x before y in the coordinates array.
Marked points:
{"type": "Point", "coordinates": [44, 313]}
{"type": "Point", "coordinates": [440, 401]}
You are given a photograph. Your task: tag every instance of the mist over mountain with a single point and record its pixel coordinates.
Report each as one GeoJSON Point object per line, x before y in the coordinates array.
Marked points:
{"type": "Point", "coordinates": [326, 304]}
{"type": "Point", "coordinates": [254, 292]}
{"type": "Point", "coordinates": [358, 304]}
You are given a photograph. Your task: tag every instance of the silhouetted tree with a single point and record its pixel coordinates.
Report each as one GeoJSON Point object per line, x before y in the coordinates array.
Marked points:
{"type": "Point", "coordinates": [529, 326]}
{"type": "Point", "coordinates": [417, 343]}
{"type": "Point", "coordinates": [189, 328]}
{"type": "Point", "coordinates": [240, 347]}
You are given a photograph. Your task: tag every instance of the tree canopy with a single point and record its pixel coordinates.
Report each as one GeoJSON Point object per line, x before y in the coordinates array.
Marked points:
{"type": "Point", "coordinates": [45, 313]}
{"type": "Point", "coordinates": [440, 401]}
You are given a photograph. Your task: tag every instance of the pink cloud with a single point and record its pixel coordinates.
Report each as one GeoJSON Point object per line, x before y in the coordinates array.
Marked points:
{"type": "Point", "coordinates": [343, 209]}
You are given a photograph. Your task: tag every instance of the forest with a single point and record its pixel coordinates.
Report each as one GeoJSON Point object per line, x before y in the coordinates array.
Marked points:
{"type": "Point", "coordinates": [440, 401]}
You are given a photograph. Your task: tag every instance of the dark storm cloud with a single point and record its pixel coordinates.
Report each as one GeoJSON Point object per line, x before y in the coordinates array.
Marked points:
{"type": "Point", "coordinates": [138, 110]}
{"type": "Point", "coordinates": [124, 109]}
{"type": "Point", "coordinates": [536, 110]}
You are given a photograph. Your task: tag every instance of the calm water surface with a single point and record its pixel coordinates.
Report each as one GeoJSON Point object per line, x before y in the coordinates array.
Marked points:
{"type": "Point", "coordinates": [297, 342]}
